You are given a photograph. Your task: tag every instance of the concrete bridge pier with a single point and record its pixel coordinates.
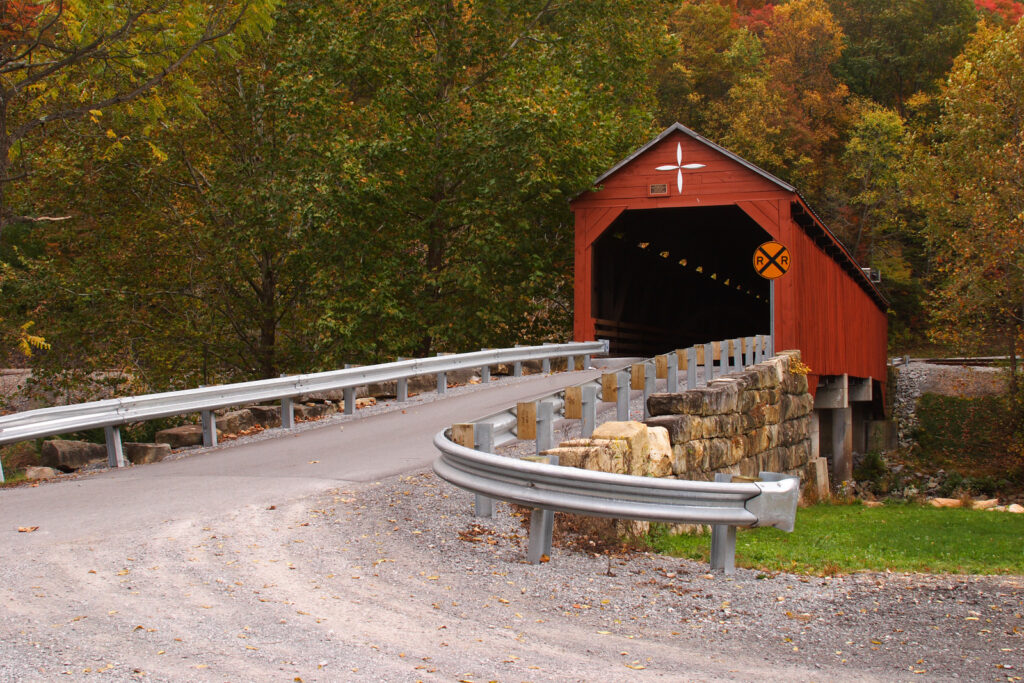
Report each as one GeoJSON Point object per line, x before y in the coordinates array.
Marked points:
{"type": "Point", "coordinates": [840, 422]}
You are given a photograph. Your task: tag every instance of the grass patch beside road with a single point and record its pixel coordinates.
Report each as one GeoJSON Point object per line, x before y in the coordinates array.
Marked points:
{"type": "Point", "coordinates": [833, 539]}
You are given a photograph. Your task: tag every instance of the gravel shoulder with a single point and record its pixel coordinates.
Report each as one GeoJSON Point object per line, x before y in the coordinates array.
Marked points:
{"type": "Point", "coordinates": [395, 580]}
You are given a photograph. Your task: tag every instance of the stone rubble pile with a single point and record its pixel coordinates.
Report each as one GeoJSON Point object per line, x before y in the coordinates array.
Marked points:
{"type": "Point", "coordinates": [909, 379]}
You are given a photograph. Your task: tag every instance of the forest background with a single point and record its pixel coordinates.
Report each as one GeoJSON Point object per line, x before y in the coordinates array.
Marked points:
{"type": "Point", "coordinates": [202, 192]}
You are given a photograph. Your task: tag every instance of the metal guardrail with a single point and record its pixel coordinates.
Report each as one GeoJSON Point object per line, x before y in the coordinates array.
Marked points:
{"type": "Point", "coordinates": [547, 487]}
{"type": "Point", "coordinates": [678, 368]}
{"type": "Point", "coordinates": [111, 413]}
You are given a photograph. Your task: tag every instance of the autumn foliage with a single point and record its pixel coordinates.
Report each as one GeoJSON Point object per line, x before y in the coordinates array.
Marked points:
{"type": "Point", "coordinates": [17, 17]}
{"type": "Point", "coordinates": [1009, 10]}
{"type": "Point", "coordinates": [319, 183]}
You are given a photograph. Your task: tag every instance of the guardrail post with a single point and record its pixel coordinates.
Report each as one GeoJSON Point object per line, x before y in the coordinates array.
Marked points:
{"type": "Point", "coordinates": [483, 435]}
{"type": "Point", "coordinates": [650, 377]}
{"type": "Point", "coordinates": [209, 428]}
{"type": "Point", "coordinates": [442, 382]}
{"type": "Point", "coordinates": [672, 373]}
{"type": "Point", "coordinates": [115, 453]}
{"type": "Point", "coordinates": [545, 426]}
{"type": "Point", "coordinates": [691, 367]}
{"type": "Point", "coordinates": [572, 406]}
{"type": "Point", "coordinates": [723, 541]}
{"type": "Point", "coordinates": [402, 389]}
{"type": "Point", "coordinates": [485, 371]}
{"type": "Point", "coordinates": [287, 413]}
{"type": "Point", "coordinates": [737, 354]}
{"type": "Point", "coordinates": [622, 395]}
{"type": "Point", "coordinates": [350, 400]}
{"type": "Point", "coordinates": [480, 437]}
{"type": "Point", "coordinates": [771, 345]}
{"type": "Point", "coordinates": [661, 366]}
{"type": "Point", "coordinates": [517, 369]}
{"type": "Point", "coordinates": [526, 420]}
{"type": "Point", "coordinates": [542, 525]}
{"type": "Point", "coordinates": [636, 376]}
{"type": "Point", "coordinates": [545, 366]}
{"type": "Point", "coordinates": [586, 361]}
{"type": "Point", "coordinates": [709, 362]}
{"type": "Point", "coordinates": [608, 390]}
{"type": "Point", "coordinates": [589, 410]}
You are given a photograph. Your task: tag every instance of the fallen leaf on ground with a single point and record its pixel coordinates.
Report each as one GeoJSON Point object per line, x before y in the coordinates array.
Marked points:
{"type": "Point", "coordinates": [26, 529]}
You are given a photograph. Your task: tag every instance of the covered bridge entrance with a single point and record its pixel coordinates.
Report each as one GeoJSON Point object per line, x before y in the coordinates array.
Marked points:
{"type": "Point", "coordinates": [664, 250]}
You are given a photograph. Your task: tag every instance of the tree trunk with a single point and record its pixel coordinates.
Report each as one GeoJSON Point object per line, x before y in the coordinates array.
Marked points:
{"type": "Point", "coordinates": [1015, 330]}
{"type": "Point", "coordinates": [268, 320]}
{"type": "Point", "coordinates": [5, 165]}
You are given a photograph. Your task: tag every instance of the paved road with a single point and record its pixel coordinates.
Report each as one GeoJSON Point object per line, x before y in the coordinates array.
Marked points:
{"type": "Point", "coordinates": [259, 473]}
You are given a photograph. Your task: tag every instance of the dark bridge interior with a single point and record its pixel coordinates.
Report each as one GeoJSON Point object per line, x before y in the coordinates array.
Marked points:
{"type": "Point", "coordinates": [671, 278]}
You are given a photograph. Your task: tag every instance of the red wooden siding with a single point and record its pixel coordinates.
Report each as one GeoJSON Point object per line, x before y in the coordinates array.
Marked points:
{"type": "Point", "coordinates": [833, 316]}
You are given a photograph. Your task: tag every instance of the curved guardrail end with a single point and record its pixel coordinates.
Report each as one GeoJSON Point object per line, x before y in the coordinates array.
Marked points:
{"type": "Point", "coordinates": [776, 505]}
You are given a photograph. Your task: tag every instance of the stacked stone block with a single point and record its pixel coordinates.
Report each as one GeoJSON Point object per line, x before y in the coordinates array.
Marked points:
{"type": "Point", "coordinates": [620, 448]}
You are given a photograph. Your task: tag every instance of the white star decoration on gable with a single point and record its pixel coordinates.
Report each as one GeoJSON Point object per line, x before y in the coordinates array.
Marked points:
{"type": "Point", "coordinates": [679, 166]}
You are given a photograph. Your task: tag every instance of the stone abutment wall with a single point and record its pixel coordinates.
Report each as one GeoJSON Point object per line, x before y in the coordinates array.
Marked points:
{"type": "Point", "coordinates": [758, 419]}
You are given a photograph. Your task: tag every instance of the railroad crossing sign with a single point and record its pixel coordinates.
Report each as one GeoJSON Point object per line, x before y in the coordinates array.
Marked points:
{"type": "Point", "coordinates": [771, 260]}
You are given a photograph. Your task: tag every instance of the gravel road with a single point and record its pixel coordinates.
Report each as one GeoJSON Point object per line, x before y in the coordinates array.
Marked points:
{"type": "Point", "coordinates": [395, 581]}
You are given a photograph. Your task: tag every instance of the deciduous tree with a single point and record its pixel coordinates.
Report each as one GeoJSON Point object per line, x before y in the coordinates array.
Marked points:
{"type": "Point", "coordinates": [472, 125]}
{"type": "Point", "coordinates": [971, 186]}
{"type": "Point", "coordinates": [789, 115]}
{"type": "Point", "coordinates": [895, 48]}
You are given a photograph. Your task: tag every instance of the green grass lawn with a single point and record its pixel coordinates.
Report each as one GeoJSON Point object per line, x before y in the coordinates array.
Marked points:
{"type": "Point", "coordinates": [833, 539]}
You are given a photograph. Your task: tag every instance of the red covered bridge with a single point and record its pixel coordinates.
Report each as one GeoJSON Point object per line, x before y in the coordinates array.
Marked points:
{"type": "Point", "coordinates": [664, 259]}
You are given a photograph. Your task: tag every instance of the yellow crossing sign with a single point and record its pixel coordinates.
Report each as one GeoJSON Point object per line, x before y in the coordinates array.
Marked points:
{"type": "Point", "coordinates": [771, 260]}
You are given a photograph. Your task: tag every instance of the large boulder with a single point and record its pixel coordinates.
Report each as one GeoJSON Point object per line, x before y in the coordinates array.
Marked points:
{"type": "Point", "coordinates": [235, 421]}
{"type": "Point", "coordinates": [69, 456]}
{"type": "Point", "coordinates": [33, 473]}
{"type": "Point", "coordinates": [146, 453]}
{"type": "Point", "coordinates": [622, 448]}
{"type": "Point", "coordinates": [183, 436]}
{"type": "Point", "coordinates": [266, 416]}
{"type": "Point", "coordinates": [314, 411]}
{"type": "Point", "coordinates": [636, 437]}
